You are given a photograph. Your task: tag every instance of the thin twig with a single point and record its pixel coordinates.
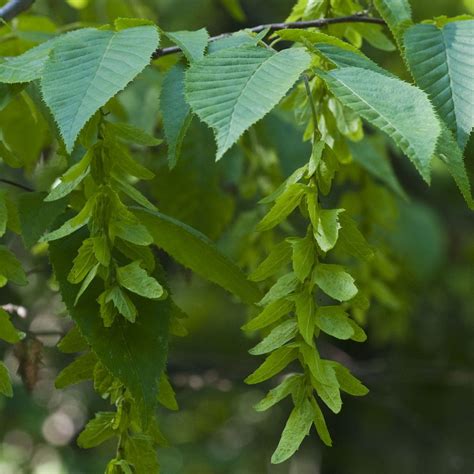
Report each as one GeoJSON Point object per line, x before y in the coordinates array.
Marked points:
{"type": "Point", "coordinates": [13, 8]}
{"type": "Point", "coordinates": [321, 22]}
{"type": "Point", "coordinates": [17, 185]}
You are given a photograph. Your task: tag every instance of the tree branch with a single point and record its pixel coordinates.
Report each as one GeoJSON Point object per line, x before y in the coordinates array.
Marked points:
{"type": "Point", "coordinates": [17, 185]}
{"type": "Point", "coordinates": [13, 8]}
{"type": "Point", "coordinates": [321, 22]}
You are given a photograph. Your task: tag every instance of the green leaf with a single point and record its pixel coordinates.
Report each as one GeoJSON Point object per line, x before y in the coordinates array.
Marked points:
{"type": "Point", "coordinates": [232, 89]}
{"type": "Point", "coordinates": [8, 92]}
{"type": "Point", "coordinates": [313, 362]}
{"type": "Point", "coordinates": [87, 281]}
{"type": "Point", "coordinates": [126, 226]}
{"type": "Point", "coordinates": [442, 64]}
{"type": "Point", "coordinates": [284, 286]}
{"type": "Point", "coordinates": [72, 178]}
{"type": "Point", "coordinates": [272, 313]}
{"type": "Point", "coordinates": [306, 10]}
{"type": "Point", "coordinates": [304, 254]}
{"type": "Point", "coordinates": [292, 179]}
{"type": "Point", "coordinates": [335, 282]}
{"type": "Point", "coordinates": [122, 303]}
{"type": "Point", "coordinates": [375, 36]}
{"type": "Point", "coordinates": [10, 268]}
{"type": "Point", "coordinates": [344, 57]}
{"type": "Point", "coordinates": [347, 382]}
{"type": "Point", "coordinates": [101, 249]}
{"type": "Point", "coordinates": [3, 214]}
{"type": "Point", "coordinates": [27, 66]}
{"type": "Point", "coordinates": [135, 279]}
{"type": "Point", "coordinates": [72, 225]}
{"type": "Point", "coordinates": [359, 334]}
{"type": "Point", "coordinates": [8, 332]}
{"type": "Point", "coordinates": [327, 231]}
{"type": "Point", "coordinates": [397, 15]}
{"type": "Point", "coordinates": [329, 392]}
{"type": "Point", "coordinates": [320, 423]}
{"type": "Point", "coordinates": [352, 241]}
{"type": "Point", "coordinates": [78, 371]}
{"type": "Point", "coordinates": [5, 382]}
{"type": "Point", "coordinates": [284, 205]}
{"type": "Point", "coordinates": [376, 97]}
{"type": "Point", "coordinates": [140, 451]}
{"type": "Point", "coordinates": [296, 429]}
{"type": "Point", "coordinates": [371, 155]}
{"type": "Point", "coordinates": [37, 216]}
{"type": "Point", "coordinates": [333, 320]}
{"type": "Point", "coordinates": [133, 193]}
{"type": "Point", "coordinates": [235, 9]}
{"type": "Point", "coordinates": [175, 111]}
{"type": "Point", "coordinates": [131, 134]}
{"type": "Point", "coordinates": [73, 341]}
{"type": "Point", "coordinates": [272, 365]}
{"type": "Point", "coordinates": [195, 251]}
{"type": "Point", "coordinates": [449, 152]}
{"type": "Point", "coordinates": [13, 216]}
{"type": "Point", "coordinates": [83, 262]}
{"type": "Point", "coordinates": [84, 72]}
{"type": "Point", "coordinates": [287, 387]}
{"type": "Point", "coordinates": [305, 314]}
{"type": "Point", "coordinates": [277, 259]}
{"type": "Point", "coordinates": [316, 37]}
{"type": "Point", "coordinates": [278, 336]}
{"type": "Point", "coordinates": [166, 395]}
{"type": "Point", "coordinates": [134, 353]}
{"type": "Point", "coordinates": [126, 163]}
{"type": "Point", "coordinates": [137, 252]}
{"type": "Point", "coordinates": [97, 430]}
{"type": "Point", "coordinates": [192, 43]}
{"type": "Point", "coordinates": [240, 38]}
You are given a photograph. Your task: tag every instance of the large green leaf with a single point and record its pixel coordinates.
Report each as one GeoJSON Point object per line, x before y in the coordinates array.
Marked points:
{"type": "Point", "coordinates": [442, 63]}
{"type": "Point", "coordinates": [195, 251]}
{"type": "Point", "coordinates": [449, 152]}
{"type": "Point", "coordinates": [376, 97]}
{"type": "Point", "coordinates": [36, 216]}
{"type": "Point", "coordinates": [84, 72]}
{"type": "Point", "coordinates": [27, 66]}
{"type": "Point", "coordinates": [175, 111]}
{"type": "Point", "coordinates": [234, 88]}
{"type": "Point", "coordinates": [134, 353]}
{"type": "Point", "coordinates": [397, 14]}
{"type": "Point", "coordinates": [371, 154]}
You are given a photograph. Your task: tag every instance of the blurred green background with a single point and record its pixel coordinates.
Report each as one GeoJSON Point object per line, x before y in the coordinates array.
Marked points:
{"type": "Point", "coordinates": [418, 362]}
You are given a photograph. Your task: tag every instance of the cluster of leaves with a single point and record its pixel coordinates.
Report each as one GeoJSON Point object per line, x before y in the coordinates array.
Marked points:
{"type": "Point", "coordinates": [115, 289]}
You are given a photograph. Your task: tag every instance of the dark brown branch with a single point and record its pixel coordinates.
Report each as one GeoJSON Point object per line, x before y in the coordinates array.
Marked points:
{"type": "Point", "coordinates": [321, 22]}
{"type": "Point", "coordinates": [13, 8]}
{"type": "Point", "coordinates": [17, 185]}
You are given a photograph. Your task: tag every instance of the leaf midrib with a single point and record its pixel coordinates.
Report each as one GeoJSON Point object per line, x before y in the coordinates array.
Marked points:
{"type": "Point", "coordinates": [72, 125]}
{"type": "Point", "coordinates": [231, 122]}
